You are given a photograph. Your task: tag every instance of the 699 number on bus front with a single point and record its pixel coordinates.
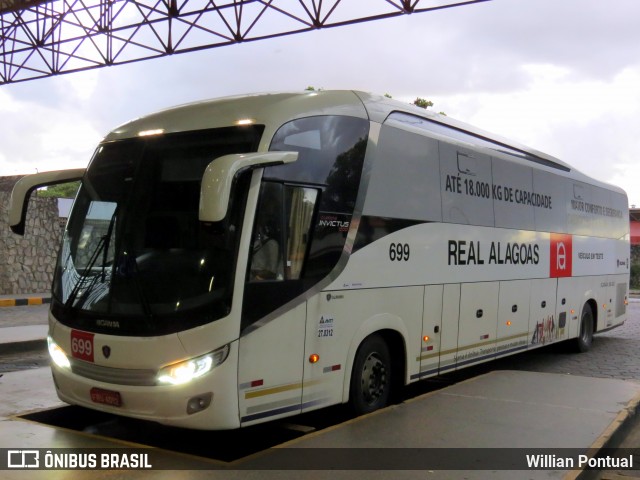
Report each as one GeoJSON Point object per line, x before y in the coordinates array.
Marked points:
{"type": "Point", "coordinates": [82, 345]}
{"type": "Point", "coordinates": [399, 252]}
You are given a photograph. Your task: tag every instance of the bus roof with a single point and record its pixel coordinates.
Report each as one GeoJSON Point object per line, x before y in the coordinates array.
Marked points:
{"type": "Point", "coordinates": [274, 109]}
{"type": "Point", "coordinates": [268, 109]}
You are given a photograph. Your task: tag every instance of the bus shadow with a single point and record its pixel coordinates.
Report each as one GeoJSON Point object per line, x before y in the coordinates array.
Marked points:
{"type": "Point", "coordinates": [222, 446]}
{"type": "Point", "coordinates": [232, 445]}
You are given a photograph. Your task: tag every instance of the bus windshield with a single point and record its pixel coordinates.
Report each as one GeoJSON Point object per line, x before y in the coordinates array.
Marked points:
{"type": "Point", "coordinates": [135, 259]}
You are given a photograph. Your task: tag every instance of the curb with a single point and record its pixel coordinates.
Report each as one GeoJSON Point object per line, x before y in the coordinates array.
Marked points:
{"type": "Point", "coordinates": [23, 347]}
{"type": "Point", "coordinates": [611, 438]}
{"type": "Point", "coordinates": [20, 302]}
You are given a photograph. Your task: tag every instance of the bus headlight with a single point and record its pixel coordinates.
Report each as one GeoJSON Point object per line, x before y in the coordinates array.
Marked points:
{"type": "Point", "coordinates": [187, 370]}
{"type": "Point", "coordinates": [57, 354]}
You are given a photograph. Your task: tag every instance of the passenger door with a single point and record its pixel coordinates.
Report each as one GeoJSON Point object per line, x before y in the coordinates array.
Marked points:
{"type": "Point", "coordinates": [273, 327]}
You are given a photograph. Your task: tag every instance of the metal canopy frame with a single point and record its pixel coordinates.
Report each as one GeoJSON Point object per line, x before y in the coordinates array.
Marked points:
{"type": "Point", "coordinates": [41, 39]}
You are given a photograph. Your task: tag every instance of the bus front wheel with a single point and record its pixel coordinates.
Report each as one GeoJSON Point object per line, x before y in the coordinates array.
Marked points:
{"type": "Point", "coordinates": [371, 376]}
{"type": "Point", "coordinates": [585, 336]}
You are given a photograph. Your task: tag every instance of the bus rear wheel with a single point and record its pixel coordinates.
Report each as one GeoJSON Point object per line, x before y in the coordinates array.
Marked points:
{"type": "Point", "coordinates": [585, 336]}
{"type": "Point", "coordinates": [371, 376]}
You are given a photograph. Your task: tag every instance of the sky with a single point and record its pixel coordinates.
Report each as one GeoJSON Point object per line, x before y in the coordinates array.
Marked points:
{"type": "Point", "coordinates": [561, 76]}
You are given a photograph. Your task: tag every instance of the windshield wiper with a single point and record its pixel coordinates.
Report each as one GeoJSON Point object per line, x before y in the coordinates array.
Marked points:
{"type": "Point", "coordinates": [85, 275]}
{"type": "Point", "coordinates": [102, 247]}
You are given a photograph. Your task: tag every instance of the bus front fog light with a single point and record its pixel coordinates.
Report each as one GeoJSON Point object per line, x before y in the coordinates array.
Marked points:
{"type": "Point", "coordinates": [199, 403]}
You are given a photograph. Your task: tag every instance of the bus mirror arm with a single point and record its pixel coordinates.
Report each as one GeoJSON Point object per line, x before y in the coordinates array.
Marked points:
{"type": "Point", "coordinates": [27, 184]}
{"type": "Point", "coordinates": [218, 178]}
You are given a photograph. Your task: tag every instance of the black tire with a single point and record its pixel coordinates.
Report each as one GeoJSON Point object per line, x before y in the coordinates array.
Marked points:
{"type": "Point", "coordinates": [371, 376]}
{"type": "Point", "coordinates": [585, 335]}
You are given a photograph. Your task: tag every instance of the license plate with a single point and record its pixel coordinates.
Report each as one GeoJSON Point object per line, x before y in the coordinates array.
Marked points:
{"type": "Point", "coordinates": [106, 397]}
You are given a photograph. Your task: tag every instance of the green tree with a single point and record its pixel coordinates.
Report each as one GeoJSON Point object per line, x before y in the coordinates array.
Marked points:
{"type": "Point", "coordinates": [635, 277]}
{"type": "Point", "coordinates": [422, 103]}
{"type": "Point", "coordinates": [62, 190]}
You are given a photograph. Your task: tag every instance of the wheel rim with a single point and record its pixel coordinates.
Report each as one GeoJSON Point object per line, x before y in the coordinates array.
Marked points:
{"type": "Point", "coordinates": [373, 381]}
{"type": "Point", "coordinates": [584, 329]}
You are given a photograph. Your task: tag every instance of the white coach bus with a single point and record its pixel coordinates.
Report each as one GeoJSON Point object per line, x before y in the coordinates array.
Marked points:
{"type": "Point", "coordinates": [240, 260]}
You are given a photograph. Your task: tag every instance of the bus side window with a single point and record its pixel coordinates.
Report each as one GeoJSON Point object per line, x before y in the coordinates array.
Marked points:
{"type": "Point", "coordinates": [267, 241]}
{"type": "Point", "coordinates": [282, 231]}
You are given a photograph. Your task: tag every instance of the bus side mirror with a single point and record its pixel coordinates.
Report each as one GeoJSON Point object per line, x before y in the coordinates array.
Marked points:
{"type": "Point", "coordinates": [23, 188]}
{"type": "Point", "coordinates": [218, 178]}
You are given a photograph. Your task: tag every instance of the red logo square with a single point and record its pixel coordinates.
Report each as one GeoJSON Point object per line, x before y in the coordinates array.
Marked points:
{"type": "Point", "coordinates": [561, 255]}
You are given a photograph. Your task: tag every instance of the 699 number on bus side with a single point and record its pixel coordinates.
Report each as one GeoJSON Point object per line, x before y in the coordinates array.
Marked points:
{"type": "Point", "coordinates": [399, 252]}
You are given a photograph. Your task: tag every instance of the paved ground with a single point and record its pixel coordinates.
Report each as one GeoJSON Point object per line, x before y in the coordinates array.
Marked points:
{"type": "Point", "coordinates": [24, 315]}
{"type": "Point", "coordinates": [18, 317]}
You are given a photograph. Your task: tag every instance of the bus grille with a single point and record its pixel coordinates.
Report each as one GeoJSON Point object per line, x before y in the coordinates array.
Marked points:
{"type": "Point", "coordinates": [117, 376]}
